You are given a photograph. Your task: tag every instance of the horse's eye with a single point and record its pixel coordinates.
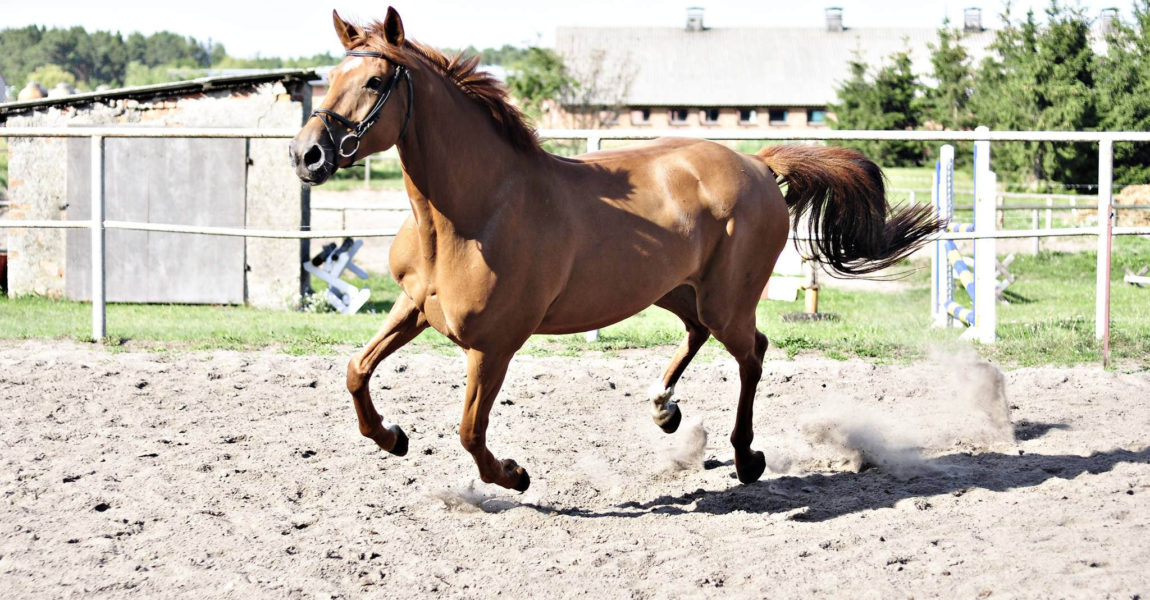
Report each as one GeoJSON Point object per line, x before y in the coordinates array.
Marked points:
{"type": "Point", "coordinates": [374, 83]}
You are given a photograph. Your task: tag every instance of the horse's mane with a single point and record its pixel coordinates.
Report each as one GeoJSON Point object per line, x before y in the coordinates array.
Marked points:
{"type": "Point", "coordinates": [480, 86]}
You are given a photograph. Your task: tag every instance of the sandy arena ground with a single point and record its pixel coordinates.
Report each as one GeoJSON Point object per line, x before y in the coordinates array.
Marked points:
{"type": "Point", "coordinates": [242, 475]}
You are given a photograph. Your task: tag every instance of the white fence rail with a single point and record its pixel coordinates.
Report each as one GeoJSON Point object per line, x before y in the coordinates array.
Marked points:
{"type": "Point", "coordinates": [594, 138]}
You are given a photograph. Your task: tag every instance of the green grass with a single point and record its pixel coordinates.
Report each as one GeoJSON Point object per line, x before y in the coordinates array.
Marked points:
{"type": "Point", "coordinates": [1049, 321]}
{"type": "Point", "coordinates": [386, 174]}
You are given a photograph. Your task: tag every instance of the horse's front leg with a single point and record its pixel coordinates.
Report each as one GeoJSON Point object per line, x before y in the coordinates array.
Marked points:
{"type": "Point", "coordinates": [404, 322]}
{"type": "Point", "coordinates": [485, 372]}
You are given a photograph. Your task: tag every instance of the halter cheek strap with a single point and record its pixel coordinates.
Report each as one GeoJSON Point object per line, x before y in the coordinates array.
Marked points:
{"type": "Point", "coordinates": [347, 141]}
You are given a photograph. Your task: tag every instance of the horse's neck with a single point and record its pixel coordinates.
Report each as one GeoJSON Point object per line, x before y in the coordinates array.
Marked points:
{"type": "Point", "coordinates": [455, 158]}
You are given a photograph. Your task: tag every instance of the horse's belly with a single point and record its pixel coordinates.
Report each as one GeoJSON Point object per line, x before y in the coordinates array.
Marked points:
{"type": "Point", "coordinates": [593, 304]}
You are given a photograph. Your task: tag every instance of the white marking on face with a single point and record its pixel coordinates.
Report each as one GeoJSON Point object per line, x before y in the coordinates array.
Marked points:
{"type": "Point", "coordinates": [349, 64]}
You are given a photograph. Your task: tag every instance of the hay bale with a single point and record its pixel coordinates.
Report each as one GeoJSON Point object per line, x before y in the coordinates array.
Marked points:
{"type": "Point", "coordinates": [1138, 195]}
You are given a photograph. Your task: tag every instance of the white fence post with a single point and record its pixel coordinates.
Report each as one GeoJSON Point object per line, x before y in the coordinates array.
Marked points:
{"type": "Point", "coordinates": [936, 256]}
{"type": "Point", "coordinates": [1105, 229]}
{"type": "Point", "coordinates": [985, 260]}
{"type": "Point", "coordinates": [99, 316]}
{"type": "Point", "coordinates": [1034, 225]}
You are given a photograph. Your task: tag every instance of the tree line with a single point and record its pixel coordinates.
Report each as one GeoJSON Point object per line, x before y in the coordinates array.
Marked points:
{"type": "Point", "coordinates": [1036, 77]}
{"type": "Point", "coordinates": [85, 60]}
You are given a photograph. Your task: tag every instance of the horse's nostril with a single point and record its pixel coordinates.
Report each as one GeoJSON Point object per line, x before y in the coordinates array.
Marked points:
{"type": "Point", "coordinates": [313, 159]}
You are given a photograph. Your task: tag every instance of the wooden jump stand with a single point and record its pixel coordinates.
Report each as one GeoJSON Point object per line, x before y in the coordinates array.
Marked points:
{"type": "Point", "coordinates": [329, 265]}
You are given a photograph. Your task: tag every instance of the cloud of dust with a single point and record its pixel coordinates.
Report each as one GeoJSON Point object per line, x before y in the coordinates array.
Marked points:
{"type": "Point", "coordinates": [967, 411]}
{"type": "Point", "coordinates": [477, 496]}
{"type": "Point", "coordinates": [686, 448]}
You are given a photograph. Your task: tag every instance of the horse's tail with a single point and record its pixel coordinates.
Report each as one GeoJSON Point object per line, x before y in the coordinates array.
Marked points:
{"type": "Point", "coordinates": [851, 227]}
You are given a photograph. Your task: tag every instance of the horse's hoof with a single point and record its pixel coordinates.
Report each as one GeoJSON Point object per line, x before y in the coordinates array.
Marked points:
{"type": "Point", "coordinates": [671, 424]}
{"type": "Point", "coordinates": [523, 481]}
{"type": "Point", "coordinates": [400, 446]}
{"type": "Point", "coordinates": [751, 469]}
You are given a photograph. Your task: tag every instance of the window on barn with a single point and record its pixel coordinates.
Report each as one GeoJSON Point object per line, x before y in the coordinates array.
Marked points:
{"type": "Point", "coordinates": [709, 116]}
{"type": "Point", "coordinates": [678, 116]}
{"type": "Point", "coordinates": [640, 116]}
{"type": "Point", "coordinates": [748, 116]}
{"type": "Point", "coordinates": [816, 116]}
{"type": "Point", "coordinates": [777, 116]}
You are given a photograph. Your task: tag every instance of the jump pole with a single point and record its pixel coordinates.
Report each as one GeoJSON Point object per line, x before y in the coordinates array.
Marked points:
{"type": "Point", "coordinates": [943, 195]}
{"type": "Point", "coordinates": [985, 266]}
{"type": "Point", "coordinates": [978, 275]}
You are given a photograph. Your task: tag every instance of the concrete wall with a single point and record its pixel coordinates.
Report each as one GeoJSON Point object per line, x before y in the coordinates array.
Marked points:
{"type": "Point", "coordinates": [39, 184]}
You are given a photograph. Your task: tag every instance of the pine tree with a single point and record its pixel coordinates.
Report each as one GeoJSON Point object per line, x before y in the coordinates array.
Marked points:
{"type": "Point", "coordinates": [1041, 78]}
{"type": "Point", "coordinates": [1124, 93]}
{"type": "Point", "coordinates": [947, 104]}
{"type": "Point", "coordinates": [889, 102]}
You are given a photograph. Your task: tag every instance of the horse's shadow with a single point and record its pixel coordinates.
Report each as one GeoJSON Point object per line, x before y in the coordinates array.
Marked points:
{"type": "Point", "coordinates": [821, 497]}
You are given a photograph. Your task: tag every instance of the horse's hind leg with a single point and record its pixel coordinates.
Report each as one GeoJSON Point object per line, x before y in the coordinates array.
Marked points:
{"type": "Point", "coordinates": [681, 302]}
{"type": "Point", "coordinates": [404, 322]}
{"type": "Point", "coordinates": [485, 372]}
{"type": "Point", "coordinates": [748, 346]}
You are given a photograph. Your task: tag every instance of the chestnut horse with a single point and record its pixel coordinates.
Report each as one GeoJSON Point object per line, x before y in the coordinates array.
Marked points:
{"type": "Point", "coordinates": [506, 240]}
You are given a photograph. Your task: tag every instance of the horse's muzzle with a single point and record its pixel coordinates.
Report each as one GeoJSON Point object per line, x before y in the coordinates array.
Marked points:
{"type": "Point", "coordinates": [313, 163]}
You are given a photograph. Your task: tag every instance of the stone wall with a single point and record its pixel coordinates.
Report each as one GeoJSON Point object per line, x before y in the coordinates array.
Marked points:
{"type": "Point", "coordinates": [39, 184]}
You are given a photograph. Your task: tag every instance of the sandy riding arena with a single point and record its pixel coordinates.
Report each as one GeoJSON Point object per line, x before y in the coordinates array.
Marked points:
{"type": "Point", "coordinates": [219, 474]}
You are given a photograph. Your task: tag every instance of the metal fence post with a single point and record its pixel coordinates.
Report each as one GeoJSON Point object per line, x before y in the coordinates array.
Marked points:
{"type": "Point", "coordinates": [99, 316]}
{"type": "Point", "coordinates": [1105, 229]}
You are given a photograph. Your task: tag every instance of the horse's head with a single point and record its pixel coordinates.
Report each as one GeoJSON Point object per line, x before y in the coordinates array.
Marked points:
{"type": "Point", "coordinates": [367, 107]}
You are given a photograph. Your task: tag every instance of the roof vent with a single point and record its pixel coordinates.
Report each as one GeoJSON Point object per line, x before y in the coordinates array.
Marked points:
{"type": "Point", "coordinates": [1108, 20]}
{"type": "Point", "coordinates": [32, 91]}
{"type": "Point", "coordinates": [695, 18]}
{"type": "Point", "coordinates": [834, 18]}
{"type": "Point", "coordinates": [972, 20]}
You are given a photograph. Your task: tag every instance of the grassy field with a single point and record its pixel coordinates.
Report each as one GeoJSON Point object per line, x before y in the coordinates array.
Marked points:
{"type": "Point", "coordinates": [386, 174]}
{"type": "Point", "coordinates": [1049, 321]}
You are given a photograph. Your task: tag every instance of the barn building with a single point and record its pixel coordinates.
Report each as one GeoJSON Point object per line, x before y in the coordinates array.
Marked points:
{"type": "Point", "coordinates": [202, 182]}
{"type": "Point", "coordinates": [697, 76]}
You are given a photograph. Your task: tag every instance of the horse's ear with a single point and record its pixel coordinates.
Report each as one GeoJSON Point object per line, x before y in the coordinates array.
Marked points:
{"type": "Point", "coordinates": [393, 28]}
{"type": "Point", "coordinates": [349, 35]}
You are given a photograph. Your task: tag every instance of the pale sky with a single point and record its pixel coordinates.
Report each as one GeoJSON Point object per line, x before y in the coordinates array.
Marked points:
{"type": "Point", "coordinates": [291, 28]}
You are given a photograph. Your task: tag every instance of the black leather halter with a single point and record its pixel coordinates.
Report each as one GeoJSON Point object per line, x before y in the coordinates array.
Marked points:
{"type": "Point", "coordinates": [347, 144]}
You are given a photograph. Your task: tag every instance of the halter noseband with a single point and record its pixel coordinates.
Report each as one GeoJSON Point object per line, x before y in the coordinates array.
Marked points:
{"type": "Point", "coordinates": [347, 144]}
